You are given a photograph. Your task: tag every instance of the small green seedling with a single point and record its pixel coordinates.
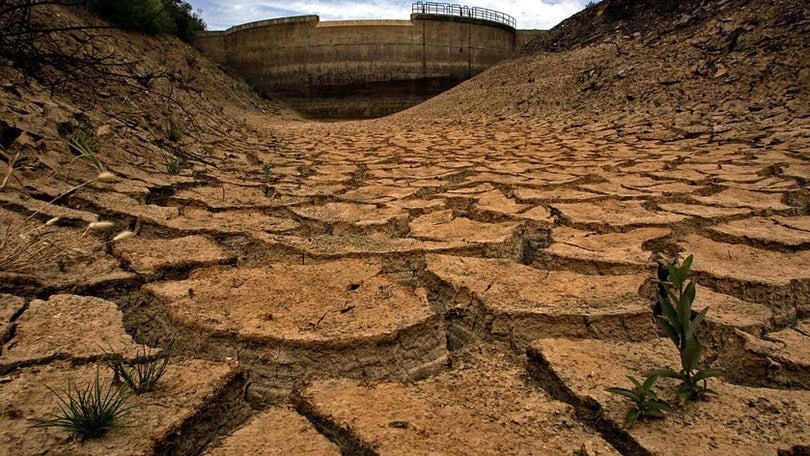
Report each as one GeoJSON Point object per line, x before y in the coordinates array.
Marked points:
{"type": "Point", "coordinates": [267, 170]}
{"type": "Point", "coordinates": [675, 297]}
{"type": "Point", "coordinates": [647, 403]}
{"type": "Point", "coordinates": [90, 412]}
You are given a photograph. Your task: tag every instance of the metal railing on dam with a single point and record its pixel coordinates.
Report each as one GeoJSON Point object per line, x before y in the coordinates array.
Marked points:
{"type": "Point", "coordinates": [448, 9]}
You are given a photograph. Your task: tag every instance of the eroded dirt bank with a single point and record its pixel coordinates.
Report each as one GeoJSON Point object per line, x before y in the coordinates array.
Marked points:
{"type": "Point", "coordinates": [465, 277]}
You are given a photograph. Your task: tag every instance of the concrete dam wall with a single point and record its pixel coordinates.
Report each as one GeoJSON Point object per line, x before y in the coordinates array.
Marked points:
{"type": "Point", "coordinates": [368, 68]}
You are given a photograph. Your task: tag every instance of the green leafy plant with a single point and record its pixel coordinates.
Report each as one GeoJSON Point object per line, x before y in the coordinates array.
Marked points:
{"type": "Point", "coordinates": [267, 171]}
{"type": "Point", "coordinates": [680, 324]}
{"type": "Point", "coordinates": [141, 375]}
{"type": "Point", "coordinates": [89, 412]}
{"type": "Point", "coordinates": [647, 403]}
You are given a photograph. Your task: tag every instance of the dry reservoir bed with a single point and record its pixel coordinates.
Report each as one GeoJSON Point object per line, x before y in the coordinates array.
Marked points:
{"type": "Point", "coordinates": [380, 296]}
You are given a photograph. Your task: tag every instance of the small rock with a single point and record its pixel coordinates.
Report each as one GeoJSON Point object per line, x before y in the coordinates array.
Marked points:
{"type": "Point", "coordinates": [103, 130]}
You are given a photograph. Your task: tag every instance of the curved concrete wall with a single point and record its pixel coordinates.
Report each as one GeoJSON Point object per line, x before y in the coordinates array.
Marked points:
{"type": "Point", "coordinates": [359, 68]}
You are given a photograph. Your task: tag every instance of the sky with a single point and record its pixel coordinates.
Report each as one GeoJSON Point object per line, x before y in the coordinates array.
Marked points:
{"type": "Point", "coordinates": [222, 14]}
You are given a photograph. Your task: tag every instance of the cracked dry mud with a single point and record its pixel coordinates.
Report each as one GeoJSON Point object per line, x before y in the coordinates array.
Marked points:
{"type": "Point", "coordinates": [465, 277]}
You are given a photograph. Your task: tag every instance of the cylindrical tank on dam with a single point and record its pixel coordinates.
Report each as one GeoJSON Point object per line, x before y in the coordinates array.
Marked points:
{"type": "Point", "coordinates": [366, 68]}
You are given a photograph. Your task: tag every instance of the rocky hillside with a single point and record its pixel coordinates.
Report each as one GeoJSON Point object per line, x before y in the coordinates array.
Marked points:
{"type": "Point", "coordinates": [726, 71]}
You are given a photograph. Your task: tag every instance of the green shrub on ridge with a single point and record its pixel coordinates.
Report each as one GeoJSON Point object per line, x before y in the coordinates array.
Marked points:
{"type": "Point", "coordinates": [151, 16]}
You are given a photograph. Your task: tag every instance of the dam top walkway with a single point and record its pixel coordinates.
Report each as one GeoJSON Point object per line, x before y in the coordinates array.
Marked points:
{"type": "Point", "coordinates": [447, 9]}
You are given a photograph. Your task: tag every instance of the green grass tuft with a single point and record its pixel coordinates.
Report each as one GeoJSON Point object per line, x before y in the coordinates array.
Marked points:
{"type": "Point", "coordinates": [89, 412]}
{"type": "Point", "coordinates": [141, 375]}
{"type": "Point", "coordinates": [174, 129]}
{"type": "Point", "coordinates": [81, 141]}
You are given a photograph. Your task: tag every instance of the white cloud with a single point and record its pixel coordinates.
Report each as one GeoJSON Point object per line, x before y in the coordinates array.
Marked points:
{"type": "Point", "coordinates": [222, 14]}
{"type": "Point", "coordinates": [535, 14]}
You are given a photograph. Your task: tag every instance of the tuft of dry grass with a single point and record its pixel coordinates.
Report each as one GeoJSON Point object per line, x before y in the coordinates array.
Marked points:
{"type": "Point", "coordinates": [30, 244]}
{"type": "Point", "coordinates": [26, 245]}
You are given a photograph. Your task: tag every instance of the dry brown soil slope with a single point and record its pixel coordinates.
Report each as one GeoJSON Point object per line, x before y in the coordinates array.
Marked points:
{"type": "Point", "coordinates": [464, 277]}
